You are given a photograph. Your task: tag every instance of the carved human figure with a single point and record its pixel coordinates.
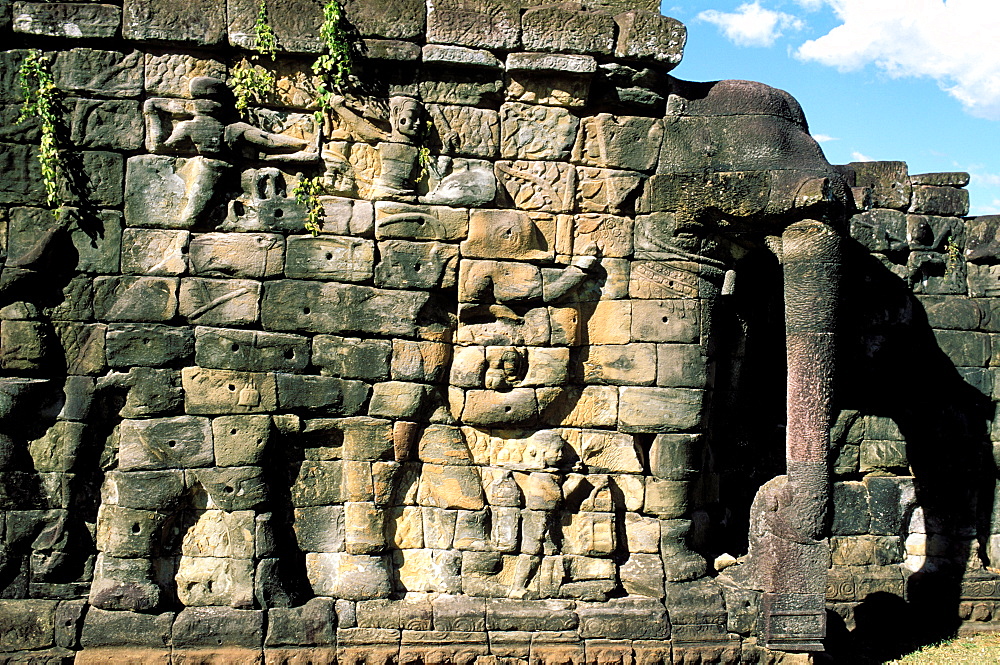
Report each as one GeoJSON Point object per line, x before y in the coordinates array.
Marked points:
{"type": "Point", "coordinates": [192, 473]}
{"type": "Point", "coordinates": [214, 137]}
{"type": "Point", "coordinates": [397, 149]}
{"type": "Point", "coordinates": [504, 359]}
{"type": "Point", "coordinates": [399, 156]}
{"type": "Point", "coordinates": [193, 543]}
{"type": "Point", "coordinates": [499, 300]}
{"type": "Point", "coordinates": [19, 489]}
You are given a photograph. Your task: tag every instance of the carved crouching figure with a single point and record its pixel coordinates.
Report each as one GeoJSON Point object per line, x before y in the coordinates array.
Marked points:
{"type": "Point", "coordinates": [510, 369]}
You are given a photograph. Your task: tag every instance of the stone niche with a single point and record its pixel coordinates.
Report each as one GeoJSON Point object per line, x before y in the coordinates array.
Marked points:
{"type": "Point", "coordinates": [518, 398]}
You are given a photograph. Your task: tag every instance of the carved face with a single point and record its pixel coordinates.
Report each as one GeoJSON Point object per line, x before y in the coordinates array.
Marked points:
{"type": "Point", "coordinates": [505, 370]}
{"type": "Point", "coordinates": [407, 118]}
{"type": "Point", "coordinates": [544, 449]}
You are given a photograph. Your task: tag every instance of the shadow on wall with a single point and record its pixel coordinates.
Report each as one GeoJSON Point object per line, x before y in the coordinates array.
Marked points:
{"type": "Point", "coordinates": [747, 426]}
{"type": "Point", "coordinates": [892, 366]}
{"type": "Point", "coordinates": [49, 462]}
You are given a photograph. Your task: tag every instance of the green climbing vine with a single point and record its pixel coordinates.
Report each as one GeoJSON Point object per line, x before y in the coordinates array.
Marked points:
{"type": "Point", "coordinates": [426, 162]}
{"type": "Point", "coordinates": [334, 67]}
{"type": "Point", "coordinates": [250, 79]}
{"type": "Point", "coordinates": [954, 253]}
{"type": "Point", "coordinates": [307, 192]}
{"type": "Point", "coordinates": [40, 100]}
{"type": "Point", "coordinates": [953, 250]}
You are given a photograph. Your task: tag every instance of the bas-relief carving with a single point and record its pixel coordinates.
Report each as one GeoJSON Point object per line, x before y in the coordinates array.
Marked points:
{"type": "Point", "coordinates": [548, 186]}
{"type": "Point", "coordinates": [264, 205]}
{"type": "Point", "coordinates": [39, 454]}
{"type": "Point", "coordinates": [515, 336]}
{"type": "Point", "coordinates": [397, 153]}
{"type": "Point", "coordinates": [210, 501]}
{"type": "Point", "coordinates": [454, 181]}
{"type": "Point", "coordinates": [489, 374]}
{"type": "Point", "coordinates": [465, 131]}
{"type": "Point", "coordinates": [517, 370]}
{"type": "Point", "coordinates": [199, 127]}
{"type": "Point", "coordinates": [398, 172]}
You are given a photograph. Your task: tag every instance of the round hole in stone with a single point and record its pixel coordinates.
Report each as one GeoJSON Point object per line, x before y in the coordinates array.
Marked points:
{"type": "Point", "coordinates": [416, 268]}
{"type": "Point", "coordinates": [328, 255]}
{"type": "Point", "coordinates": [260, 441]}
{"type": "Point", "coordinates": [227, 489]}
{"type": "Point", "coordinates": [506, 409]}
{"type": "Point", "coordinates": [666, 319]}
{"type": "Point", "coordinates": [172, 443]}
{"type": "Point", "coordinates": [235, 347]}
{"type": "Point", "coordinates": [233, 431]}
{"type": "Point", "coordinates": [289, 354]}
{"type": "Point", "coordinates": [306, 310]}
{"type": "Point", "coordinates": [136, 528]}
{"type": "Point", "coordinates": [232, 387]}
{"type": "Point", "coordinates": [278, 212]}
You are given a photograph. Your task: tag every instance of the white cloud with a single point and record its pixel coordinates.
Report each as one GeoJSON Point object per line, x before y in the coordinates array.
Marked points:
{"type": "Point", "coordinates": [811, 5]}
{"type": "Point", "coordinates": [861, 157]}
{"type": "Point", "coordinates": [986, 209]}
{"type": "Point", "coordinates": [985, 179]}
{"type": "Point", "coordinates": [950, 41]}
{"type": "Point", "coordinates": [824, 138]}
{"type": "Point", "coordinates": [751, 24]}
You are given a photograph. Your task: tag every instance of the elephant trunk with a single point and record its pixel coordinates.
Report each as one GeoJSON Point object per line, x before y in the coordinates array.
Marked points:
{"type": "Point", "coordinates": [791, 556]}
{"type": "Point", "coordinates": [788, 554]}
{"type": "Point", "coordinates": [811, 263]}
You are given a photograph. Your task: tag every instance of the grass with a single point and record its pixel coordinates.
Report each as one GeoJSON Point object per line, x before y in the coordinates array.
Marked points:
{"type": "Point", "coordinates": [973, 649]}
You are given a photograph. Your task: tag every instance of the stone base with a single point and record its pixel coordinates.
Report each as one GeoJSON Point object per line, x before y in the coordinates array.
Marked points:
{"type": "Point", "coordinates": [977, 627]}
{"type": "Point", "coordinates": [122, 656]}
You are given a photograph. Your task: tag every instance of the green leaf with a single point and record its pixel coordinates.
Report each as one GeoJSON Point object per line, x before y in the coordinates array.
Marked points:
{"type": "Point", "coordinates": [40, 97]}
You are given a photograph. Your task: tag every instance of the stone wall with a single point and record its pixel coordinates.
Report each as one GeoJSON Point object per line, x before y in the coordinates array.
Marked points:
{"type": "Point", "coordinates": [515, 399]}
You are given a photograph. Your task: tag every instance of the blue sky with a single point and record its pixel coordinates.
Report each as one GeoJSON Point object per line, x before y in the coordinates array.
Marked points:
{"type": "Point", "coordinates": [911, 80]}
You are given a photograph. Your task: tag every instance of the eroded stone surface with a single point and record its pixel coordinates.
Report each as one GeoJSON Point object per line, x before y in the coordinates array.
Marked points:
{"type": "Point", "coordinates": [523, 381]}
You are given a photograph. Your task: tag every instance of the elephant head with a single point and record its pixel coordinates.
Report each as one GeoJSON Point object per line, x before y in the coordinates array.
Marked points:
{"type": "Point", "coordinates": [738, 168]}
